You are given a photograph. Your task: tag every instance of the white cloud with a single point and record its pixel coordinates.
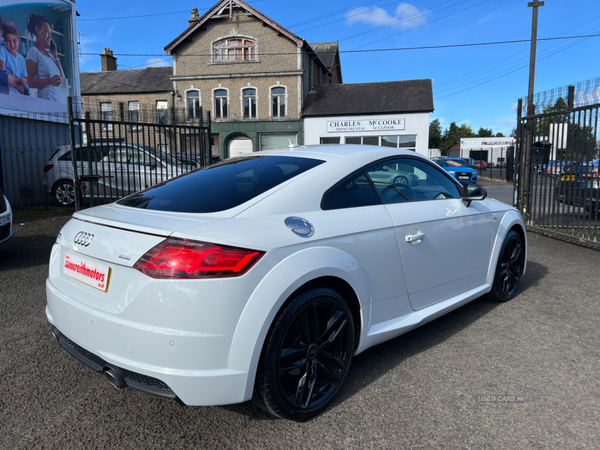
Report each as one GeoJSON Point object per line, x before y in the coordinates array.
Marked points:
{"type": "Point", "coordinates": [514, 106]}
{"type": "Point", "coordinates": [405, 16]}
{"type": "Point", "coordinates": [157, 62]}
{"type": "Point", "coordinates": [508, 122]}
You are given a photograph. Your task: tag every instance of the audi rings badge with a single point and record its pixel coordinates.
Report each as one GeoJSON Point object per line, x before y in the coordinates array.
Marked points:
{"type": "Point", "coordinates": [83, 238]}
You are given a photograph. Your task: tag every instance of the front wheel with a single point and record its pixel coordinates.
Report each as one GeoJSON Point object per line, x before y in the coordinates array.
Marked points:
{"type": "Point", "coordinates": [510, 268]}
{"type": "Point", "coordinates": [306, 356]}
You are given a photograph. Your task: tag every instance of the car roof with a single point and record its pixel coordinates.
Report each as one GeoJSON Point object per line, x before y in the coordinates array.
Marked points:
{"type": "Point", "coordinates": [368, 153]}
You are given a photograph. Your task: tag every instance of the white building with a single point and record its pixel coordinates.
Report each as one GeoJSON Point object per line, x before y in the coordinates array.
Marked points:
{"type": "Point", "coordinates": [390, 114]}
{"type": "Point", "coordinates": [490, 149]}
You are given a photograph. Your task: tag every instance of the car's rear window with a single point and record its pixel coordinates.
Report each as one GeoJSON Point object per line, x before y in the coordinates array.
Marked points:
{"type": "Point", "coordinates": [221, 186]}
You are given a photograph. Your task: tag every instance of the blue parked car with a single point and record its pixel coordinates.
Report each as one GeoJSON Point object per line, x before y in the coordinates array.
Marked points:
{"type": "Point", "coordinates": [459, 169]}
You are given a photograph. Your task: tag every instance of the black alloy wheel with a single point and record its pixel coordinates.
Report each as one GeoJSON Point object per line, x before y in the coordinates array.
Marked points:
{"type": "Point", "coordinates": [306, 356]}
{"type": "Point", "coordinates": [510, 268]}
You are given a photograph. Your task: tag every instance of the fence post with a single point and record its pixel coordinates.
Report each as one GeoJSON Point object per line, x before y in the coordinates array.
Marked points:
{"type": "Point", "coordinates": [207, 147]}
{"type": "Point", "coordinates": [571, 97]}
{"type": "Point", "coordinates": [518, 186]}
{"type": "Point", "coordinates": [76, 189]}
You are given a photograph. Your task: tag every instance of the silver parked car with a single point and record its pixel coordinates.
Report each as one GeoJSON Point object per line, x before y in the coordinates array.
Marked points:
{"type": "Point", "coordinates": [111, 170]}
{"type": "Point", "coordinates": [6, 231]}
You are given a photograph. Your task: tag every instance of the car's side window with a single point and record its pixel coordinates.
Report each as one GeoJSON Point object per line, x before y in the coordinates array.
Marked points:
{"type": "Point", "coordinates": [351, 192]}
{"type": "Point", "coordinates": [410, 179]}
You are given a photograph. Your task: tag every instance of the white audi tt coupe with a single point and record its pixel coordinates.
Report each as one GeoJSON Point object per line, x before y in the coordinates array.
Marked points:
{"type": "Point", "coordinates": [262, 276]}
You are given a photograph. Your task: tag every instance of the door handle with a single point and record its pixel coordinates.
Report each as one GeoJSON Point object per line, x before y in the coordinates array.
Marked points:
{"type": "Point", "coordinates": [415, 237]}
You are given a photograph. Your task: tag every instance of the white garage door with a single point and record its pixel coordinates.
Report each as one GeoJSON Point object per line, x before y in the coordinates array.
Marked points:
{"type": "Point", "coordinates": [269, 141]}
{"type": "Point", "coordinates": [240, 146]}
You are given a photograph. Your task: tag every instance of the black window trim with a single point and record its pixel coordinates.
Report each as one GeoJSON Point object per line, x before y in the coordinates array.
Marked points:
{"type": "Point", "coordinates": [379, 161]}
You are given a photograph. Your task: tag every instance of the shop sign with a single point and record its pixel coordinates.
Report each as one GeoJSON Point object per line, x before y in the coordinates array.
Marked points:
{"type": "Point", "coordinates": [390, 124]}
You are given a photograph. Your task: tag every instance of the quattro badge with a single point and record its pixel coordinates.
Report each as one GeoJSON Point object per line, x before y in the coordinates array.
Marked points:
{"type": "Point", "coordinates": [299, 226]}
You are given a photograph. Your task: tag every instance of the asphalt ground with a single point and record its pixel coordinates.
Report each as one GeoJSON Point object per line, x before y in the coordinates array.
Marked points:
{"type": "Point", "coordinates": [522, 374]}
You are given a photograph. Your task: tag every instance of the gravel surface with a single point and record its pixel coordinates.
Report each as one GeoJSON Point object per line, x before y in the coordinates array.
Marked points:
{"type": "Point", "coordinates": [522, 374]}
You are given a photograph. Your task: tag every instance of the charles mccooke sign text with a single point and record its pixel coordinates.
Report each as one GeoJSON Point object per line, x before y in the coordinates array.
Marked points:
{"type": "Point", "coordinates": [336, 126]}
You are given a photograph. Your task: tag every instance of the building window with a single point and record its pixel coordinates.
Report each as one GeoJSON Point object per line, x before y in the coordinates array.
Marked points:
{"type": "Point", "coordinates": [249, 103]}
{"type": "Point", "coordinates": [238, 49]}
{"type": "Point", "coordinates": [407, 141]}
{"type": "Point", "coordinates": [134, 113]}
{"type": "Point", "coordinates": [362, 140]}
{"type": "Point", "coordinates": [278, 102]}
{"type": "Point", "coordinates": [106, 115]}
{"type": "Point", "coordinates": [162, 112]}
{"type": "Point", "coordinates": [221, 104]}
{"type": "Point", "coordinates": [193, 105]}
{"type": "Point", "coordinates": [330, 140]}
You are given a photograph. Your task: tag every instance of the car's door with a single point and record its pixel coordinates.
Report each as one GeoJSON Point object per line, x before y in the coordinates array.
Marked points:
{"type": "Point", "coordinates": [445, 245]}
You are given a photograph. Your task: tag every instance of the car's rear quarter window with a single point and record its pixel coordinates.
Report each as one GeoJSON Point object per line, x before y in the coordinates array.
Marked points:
{"type": "Point", "coordinates": [222, 186]}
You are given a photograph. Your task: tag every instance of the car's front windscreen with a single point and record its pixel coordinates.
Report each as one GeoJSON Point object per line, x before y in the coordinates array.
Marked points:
{"type": "Point", "coordinates": [221, 186]}
{"type": "Point", "coordinates": [456, 163]}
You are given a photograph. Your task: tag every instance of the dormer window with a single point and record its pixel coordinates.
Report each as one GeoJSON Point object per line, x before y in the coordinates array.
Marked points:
{"type": "Point", "coordinates": [238, 49]}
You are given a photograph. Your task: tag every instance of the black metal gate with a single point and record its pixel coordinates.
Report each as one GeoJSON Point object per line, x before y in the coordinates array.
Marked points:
{"type": "Point", "coordinates": [108, 160]}
{"type": "Point", "coordinates": [556, 173]}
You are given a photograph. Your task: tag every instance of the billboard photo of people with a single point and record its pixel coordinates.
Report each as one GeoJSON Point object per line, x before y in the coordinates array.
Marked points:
{"type": "Point", "coordinates": [38, 70]}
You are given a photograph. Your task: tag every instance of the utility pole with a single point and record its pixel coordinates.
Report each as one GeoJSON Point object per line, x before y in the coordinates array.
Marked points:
{"type": "Point", "coordinates": [524, 174]}
{"type": "Point", "coordinates": [534, 4]}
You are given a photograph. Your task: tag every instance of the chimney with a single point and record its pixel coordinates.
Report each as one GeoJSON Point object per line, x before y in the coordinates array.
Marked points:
{"type": "Point", "coordinates": [195, 17]}
{"type": "Point", "coordinates": [109, 62]}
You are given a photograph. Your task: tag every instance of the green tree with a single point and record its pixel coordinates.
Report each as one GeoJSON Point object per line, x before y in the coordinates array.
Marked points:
{"type": "Point", "coordinates": [485, 132]}
{"type": "Point", "coordinates": [453, 134]}
{"type": "Point", "coordinates": [435, 134]}
{"type": "Point", "coordinates": [499, 134]}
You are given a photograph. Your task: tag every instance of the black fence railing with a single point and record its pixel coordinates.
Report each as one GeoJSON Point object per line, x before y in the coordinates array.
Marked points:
{"type": "Point", "coordinates": [557, 183]}
{"type": "Point", "coordinates": [110, 159]}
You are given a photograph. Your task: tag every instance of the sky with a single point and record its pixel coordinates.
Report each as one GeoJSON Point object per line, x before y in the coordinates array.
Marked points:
{"type": "Point", "coordinates": [477, 85]}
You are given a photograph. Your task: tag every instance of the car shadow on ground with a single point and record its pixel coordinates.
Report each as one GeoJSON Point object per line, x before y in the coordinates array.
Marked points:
{"type": "Point", "coordinates": [21, 252]}
{"type": "Point", "coordinates": [371, 365]}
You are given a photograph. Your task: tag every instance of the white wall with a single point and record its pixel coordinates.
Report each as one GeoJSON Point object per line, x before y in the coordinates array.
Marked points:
{"type": "Point", "coordinates": [418, 124]}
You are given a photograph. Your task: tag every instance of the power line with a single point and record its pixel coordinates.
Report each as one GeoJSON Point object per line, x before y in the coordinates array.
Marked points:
{"type": "Point", "coordinates": [148, 15]}
{"type": "Point", "coordinates": [523, 66]}
{"type": "Point", "coordinates": [376, 50]}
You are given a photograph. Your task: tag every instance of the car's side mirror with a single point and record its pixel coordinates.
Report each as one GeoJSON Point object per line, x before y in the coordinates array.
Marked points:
{"type": "Point", "coordinates": [473, 192]}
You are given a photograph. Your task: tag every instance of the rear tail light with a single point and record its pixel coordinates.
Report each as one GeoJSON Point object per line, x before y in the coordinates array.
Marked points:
{"type": "Point", "coordinates": [184, 259]}
{"type": "Point", "coordinates": [47, 167]}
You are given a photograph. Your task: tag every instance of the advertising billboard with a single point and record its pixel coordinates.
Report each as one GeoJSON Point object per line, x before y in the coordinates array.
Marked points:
{"type": "Point", "coordinates": [39, 67]}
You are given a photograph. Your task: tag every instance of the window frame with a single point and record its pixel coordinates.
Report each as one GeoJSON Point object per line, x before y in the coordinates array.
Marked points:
{"type": "Point", "coordinates": [278, 97]}
{"type": "Point", "coordinates": [220, 108]}
{"type": "Point", "coordinates": [364, 169]}
{"type": "Point", "coordinates": [166, 111]}
{"type": "Point", "coordinates": [104, 118]}
{"type": "Point", "coordinates": [194, 116]}
{"type": "Point", "coordinates": [254, 97]}
{"type": "Point", "coordinates": [238, 49]}
{"type": "Point", "coordinates": [129, 114]}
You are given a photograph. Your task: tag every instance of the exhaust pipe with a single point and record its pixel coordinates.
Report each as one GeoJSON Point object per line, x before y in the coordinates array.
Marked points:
{"type": "Point", "coordinates": [115, 377]}
{"type": "Point", "coordinates": [55, 333]}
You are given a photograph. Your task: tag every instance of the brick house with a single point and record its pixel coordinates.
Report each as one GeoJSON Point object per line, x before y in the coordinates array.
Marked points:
{"type": "Point", "coordinates": [251, 73]}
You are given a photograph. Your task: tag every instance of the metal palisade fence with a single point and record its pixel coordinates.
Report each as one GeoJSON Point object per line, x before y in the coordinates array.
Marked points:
{"type": "Point", "coordinates": [112, 157]}
{"type": "Point", "coordinates": [556, 182]}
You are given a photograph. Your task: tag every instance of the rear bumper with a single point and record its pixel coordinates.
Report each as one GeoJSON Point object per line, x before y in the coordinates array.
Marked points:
{"type": "Point", "coordinates": [157, 361]}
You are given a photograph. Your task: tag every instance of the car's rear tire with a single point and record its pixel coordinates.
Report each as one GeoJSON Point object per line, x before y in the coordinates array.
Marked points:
{"type": "Point", "coordinates": [63, 192]}
{"type": "Point", "coordinates": [306, 356]}
{"type": "Point", "coordinates": [401, 179]}
{"type": "Point", "coordinates": [509, 270]}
